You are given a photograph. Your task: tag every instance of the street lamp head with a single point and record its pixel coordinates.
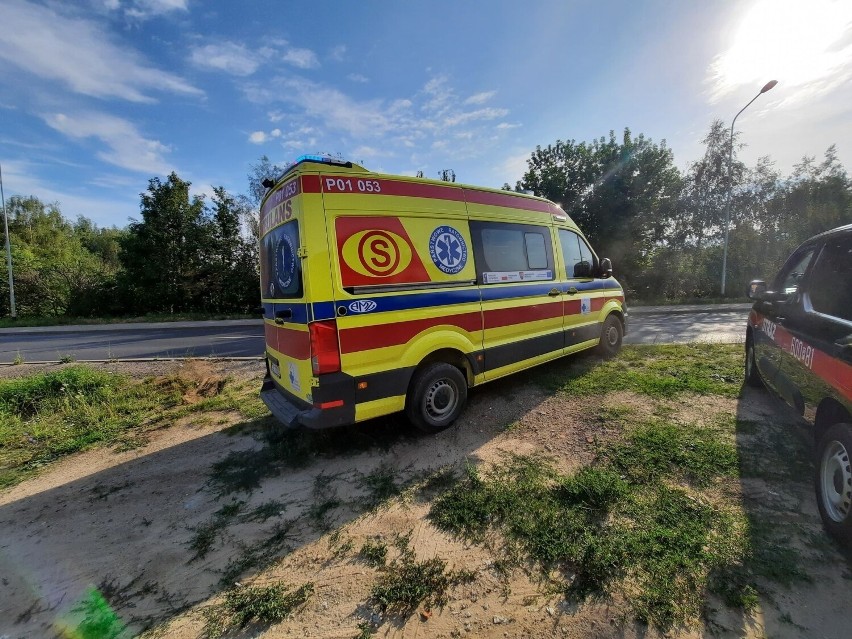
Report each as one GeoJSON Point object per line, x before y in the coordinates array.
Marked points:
{"type": "Point", "coordinates": [769, 85]}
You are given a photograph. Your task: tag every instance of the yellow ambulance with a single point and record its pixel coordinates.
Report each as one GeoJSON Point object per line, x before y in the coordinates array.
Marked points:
{"type": "Point", "coordinates": [387, 293]}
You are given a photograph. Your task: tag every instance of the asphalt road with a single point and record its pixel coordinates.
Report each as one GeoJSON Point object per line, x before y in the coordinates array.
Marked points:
{"type": "Point", "coordinates": [245, 338]}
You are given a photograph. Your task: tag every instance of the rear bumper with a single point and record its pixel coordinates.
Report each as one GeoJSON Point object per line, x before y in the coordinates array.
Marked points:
{"type": "Point", "coordinates": [293, 412]}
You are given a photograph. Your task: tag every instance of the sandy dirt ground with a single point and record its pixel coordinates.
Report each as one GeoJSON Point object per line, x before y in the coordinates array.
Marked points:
{"type": "Point", "coordinates": [125, 523]}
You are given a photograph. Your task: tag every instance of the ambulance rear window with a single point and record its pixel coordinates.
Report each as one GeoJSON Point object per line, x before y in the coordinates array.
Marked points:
{"type": "Point", "coordinates": [281, 268]}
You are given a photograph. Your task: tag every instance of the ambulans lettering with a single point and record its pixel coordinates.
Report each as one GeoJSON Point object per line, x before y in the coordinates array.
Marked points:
{"type": "Point", "coordinates": [802, 352]}
{"type": "Point", "coordinates": [448, 249]}
{"type": "Point", "coordinates": [348, 185]}
{"type": "Point", "coordinates": [279, 207]}
{"type": "Point", "coordinates": [768, 328]}
{"type": "Point", "coordinates": [276, 216]}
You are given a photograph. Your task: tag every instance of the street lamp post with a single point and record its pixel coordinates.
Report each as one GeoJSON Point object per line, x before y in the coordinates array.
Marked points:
{"type": "Point", "coordinates": [8, 250]}
{"type": "Point", "coordinates": [766, 87]}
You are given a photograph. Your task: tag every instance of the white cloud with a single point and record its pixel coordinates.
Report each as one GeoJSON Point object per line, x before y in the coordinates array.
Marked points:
{"type": "Point", "coordinates": [275, 133]}
{"type": "Point", "coordinates": [126, 147]}
{"type": "Point", "coordinates": [301, 58]}
{"type": "Point", "coordinates": [470, 116]}
{"type": "Point", "coordinates": [430, 118]}
{"type": "Point", "coordinates": [337, 53]}
{"type": "Point", "coordinates": [79, 54]}
{"type": "Point", "coordinates": [357, 77]}
{"type": "Point", "coordinates": [504, 126]}
{"type": "Point", "coordinates": [145, 9]}
{"type": "Point", "coordinates": [229, 57]}
{"type": "Point", "coordinates": [480, 98]}
{"type": "Point", "coordinates": [258, 137]}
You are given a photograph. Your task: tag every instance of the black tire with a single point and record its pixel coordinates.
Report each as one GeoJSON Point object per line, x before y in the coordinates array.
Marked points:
{"type": "Point", "coordinates": [612, 334]}
{"type": "Point", "coordinates": [436, 397]}
{"type": "Point", "coordinates": [833, 481]}
{"type": "Point", "coordinates": [752, 374]}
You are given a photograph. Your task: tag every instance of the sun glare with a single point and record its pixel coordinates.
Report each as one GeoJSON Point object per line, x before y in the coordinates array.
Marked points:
{"type": "Point", "coordinates": [797, 42]}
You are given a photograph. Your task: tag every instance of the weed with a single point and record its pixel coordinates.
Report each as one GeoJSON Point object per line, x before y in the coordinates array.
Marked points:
{"type": "Point", "coordinates": [407, 583]}
{"type": "Point", "coordinates": [439, 481]}
{"type": "Point", "coordinates": [229, 510]}
{"type": "Point", "coordinates": [380, 484]}
{"type": "Point", "coordinates": [65, 358]}
{"type": "Point", "coordinates": [374, 552]}
{"type": "Point", "coordinates": [206, 534]}
{"type": "Point", "coordinates": [18, 360]}
{"type": "Point", "coordinates": [265, 511]}
{"type": "Point", "coordinates": [261, 554]}
{"type": "Point", "coordinates": [325, 501]}
{"type": "Point", "coordinates": [365, 630]}
{"type": "Point", "coordinates": [262, 605]}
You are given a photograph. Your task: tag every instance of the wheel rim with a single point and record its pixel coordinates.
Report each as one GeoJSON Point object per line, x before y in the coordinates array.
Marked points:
{"type": "Point", "coordinates": [836, 479]}
{"type": "Point", "coordinates": [441, 400]}
{"type": "Point", "coordinates": [612, 335]}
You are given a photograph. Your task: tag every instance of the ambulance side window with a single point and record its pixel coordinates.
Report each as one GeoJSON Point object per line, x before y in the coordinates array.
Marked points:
{"type": "Point", "coordinates": [579, 259]}
{"type": "Point", "coordinates": [506, 252]}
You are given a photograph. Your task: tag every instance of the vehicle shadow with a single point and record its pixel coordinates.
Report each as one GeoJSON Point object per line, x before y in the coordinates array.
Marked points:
{"type": "Point", "coordinates": [794, 580]}
{"type": "Point", "coordinates": [157, 530]}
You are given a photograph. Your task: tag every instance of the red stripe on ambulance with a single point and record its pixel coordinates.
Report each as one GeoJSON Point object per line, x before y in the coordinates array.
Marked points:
{"type": "Point", "coordinates": [365, 338]}
{"type": "Point", "coordinates": [289, 342]}
{"type": "Point", "coordinates": [345, 184]}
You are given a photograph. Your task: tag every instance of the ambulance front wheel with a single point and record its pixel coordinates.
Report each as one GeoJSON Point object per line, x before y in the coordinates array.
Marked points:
{"type": "Point", "coordinates": [436, 397]}
{"type": "Point", "coordinates": [611, 335]}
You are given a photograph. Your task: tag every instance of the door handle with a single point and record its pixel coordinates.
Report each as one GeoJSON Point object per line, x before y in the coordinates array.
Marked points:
{"type": "Point", "coordinates": [572, 291]}
{"type": "Point", "coordinates": [282, 315]}
{"type": "Point", "coordinates": [553, 292]}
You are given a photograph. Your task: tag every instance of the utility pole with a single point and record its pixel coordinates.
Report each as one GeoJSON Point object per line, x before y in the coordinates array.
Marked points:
{"type": "Point", "coordinates": [8, 250]}
{"type": "Point", "coordinates": [766, 87]}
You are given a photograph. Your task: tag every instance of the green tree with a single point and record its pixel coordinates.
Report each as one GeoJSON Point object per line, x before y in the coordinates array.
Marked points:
{"type": "Point", "coordinates": [230, 272]}
{"type": "Point", "coordinates": [621, 193]}
{"type": "Point", "coordinates": [162, 254]}
{"type": "Point", "coordinates": [55, 272]}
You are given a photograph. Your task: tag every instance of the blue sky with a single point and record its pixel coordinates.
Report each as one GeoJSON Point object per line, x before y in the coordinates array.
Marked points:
{"type": "Point", "coordinates": [98, 96]}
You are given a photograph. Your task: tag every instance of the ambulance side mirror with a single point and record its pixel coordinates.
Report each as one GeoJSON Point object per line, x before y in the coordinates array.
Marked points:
{"type": "Point", "coordinates": [606, 267]}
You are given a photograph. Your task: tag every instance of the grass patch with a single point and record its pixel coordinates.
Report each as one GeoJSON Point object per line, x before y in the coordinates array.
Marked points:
{"type": "Point", "coordinates": [658, 371]}
{"type": "Point", "coordinates": [646, 522]}
{"type": "Point", "coordinates": [257, 605]}
{"type": "Point", "coordinates": [46, 416]}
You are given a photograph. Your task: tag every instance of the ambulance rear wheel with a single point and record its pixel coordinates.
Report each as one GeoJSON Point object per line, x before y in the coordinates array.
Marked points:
{"type": "Point", "coordinates": [436, 397]}
{"type": "Point", "coordinates": [611, 335]}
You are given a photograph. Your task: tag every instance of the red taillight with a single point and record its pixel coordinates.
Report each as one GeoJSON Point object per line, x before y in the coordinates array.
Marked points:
{"type": "Point", "coordinates": [325, 353]}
